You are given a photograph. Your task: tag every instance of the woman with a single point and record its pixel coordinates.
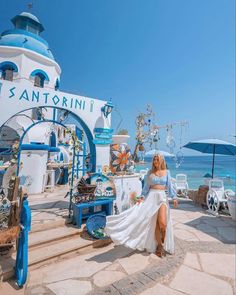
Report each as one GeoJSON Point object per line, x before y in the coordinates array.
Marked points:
{"type": "Point", "coordinates": [148, 225]}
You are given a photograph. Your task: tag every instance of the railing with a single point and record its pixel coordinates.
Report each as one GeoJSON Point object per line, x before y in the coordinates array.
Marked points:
{"type": "Point", "coordinates": [21, 267]}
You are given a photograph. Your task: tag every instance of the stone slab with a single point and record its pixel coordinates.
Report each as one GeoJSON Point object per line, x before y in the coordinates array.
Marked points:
{"type": "Point", "coordinates": [10, 288]}
{"type": "Point", "coordinates": [134, 263]}
{"type": "Point", "coordinates": [219, 264]}
{"type": "Point", "coordinates": [160, 289]}
{"type": "Point", "coordinates": [191, 260]}
{"type": "Point", "coordinates": [72, 287]}
{"type": "Point", "coordinates": [185, 235]}
{"type": "Point", "coordinates": [194, 282]}
{"type": "Point", "coordinates": [104, 278]}
{"type": "Point", "coordinates": [206, 237]}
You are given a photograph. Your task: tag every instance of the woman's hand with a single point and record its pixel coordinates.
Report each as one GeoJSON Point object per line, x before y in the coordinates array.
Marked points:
{"type": "Point", "coordinates": [175, 201]}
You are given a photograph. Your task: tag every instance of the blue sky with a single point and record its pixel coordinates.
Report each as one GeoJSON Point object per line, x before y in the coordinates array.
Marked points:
{"type": "Point", "coordinates": [177, 55]}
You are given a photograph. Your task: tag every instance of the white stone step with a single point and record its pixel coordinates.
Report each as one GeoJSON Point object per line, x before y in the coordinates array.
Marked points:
{"type": "Point", "coordinates": [37, 239]}
{"type": "Point", "coordinates": [57, 249]}
{"type": "Point", "coordinates": [60, 221]}
{"type": "Point", "coordinates": [45, 254]}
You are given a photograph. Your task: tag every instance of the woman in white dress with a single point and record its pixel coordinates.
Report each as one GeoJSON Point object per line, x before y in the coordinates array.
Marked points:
{"type": "Point", "coordinates": [147, 225]}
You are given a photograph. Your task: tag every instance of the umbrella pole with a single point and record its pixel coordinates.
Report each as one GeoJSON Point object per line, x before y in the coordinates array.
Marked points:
{"type": "Point", "coordinates": [213, 162]}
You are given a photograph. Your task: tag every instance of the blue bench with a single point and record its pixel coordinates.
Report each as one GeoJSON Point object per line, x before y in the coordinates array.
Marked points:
{"type": "Point", "coordinates": [78, 215]}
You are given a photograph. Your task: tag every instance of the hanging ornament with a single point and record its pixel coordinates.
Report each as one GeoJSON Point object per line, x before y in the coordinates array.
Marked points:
{"type": "Point", "coordinates": [170, 142]}
{"type": "Point", "coordinates": [179, 157]}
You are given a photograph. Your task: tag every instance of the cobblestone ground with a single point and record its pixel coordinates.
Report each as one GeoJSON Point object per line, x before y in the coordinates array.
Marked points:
{"type": "Point", "coordinates": [203, 263]}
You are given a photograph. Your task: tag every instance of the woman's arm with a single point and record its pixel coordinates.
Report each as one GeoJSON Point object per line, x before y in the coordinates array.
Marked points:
{"type": "Point", "coordinates": [146, 186]}
{"type": "Point", "coordinates": [170, 187]}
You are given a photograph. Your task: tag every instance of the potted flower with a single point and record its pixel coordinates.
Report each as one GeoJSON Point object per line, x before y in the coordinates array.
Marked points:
{"type": "Point", "coordinates": [121, 137]}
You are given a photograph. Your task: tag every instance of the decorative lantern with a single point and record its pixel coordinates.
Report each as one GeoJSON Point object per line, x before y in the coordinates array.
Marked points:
{"type": "Point", "coordinates": [107, 109]}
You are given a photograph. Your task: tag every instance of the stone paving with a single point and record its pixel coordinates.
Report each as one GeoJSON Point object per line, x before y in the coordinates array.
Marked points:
{"type": "Point", "coordinates": [49, 207]}
{"type": "Point", "coordinates": [203, 263]}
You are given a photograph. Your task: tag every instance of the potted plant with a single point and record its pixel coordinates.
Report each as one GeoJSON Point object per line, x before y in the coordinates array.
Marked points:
{"type": "Point", "coordinates": [121, 137]}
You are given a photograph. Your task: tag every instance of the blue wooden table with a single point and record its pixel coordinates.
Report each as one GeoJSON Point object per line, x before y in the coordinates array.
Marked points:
{"type": "Point", "coordinates": [78, 215]}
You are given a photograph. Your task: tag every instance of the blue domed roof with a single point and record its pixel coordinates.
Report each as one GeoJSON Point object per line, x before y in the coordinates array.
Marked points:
{"type": "Point", "coordinates": [26, 35]}
{"type": "Point", "coordinates": [24, 39]}
{"type": "Point", "coordinates": [30, 15]}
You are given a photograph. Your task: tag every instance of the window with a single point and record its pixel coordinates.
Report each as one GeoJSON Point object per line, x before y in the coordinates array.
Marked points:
{"type": "Point", "coordinates": [57, 84]}
{"type": "Point", "coordinates": [7, 70]}
{"type": "Point", "coordinates": [7, 74]}
{"type": "Point", "coordinates": [40, 77]}
{"type": "Point", "coordinates": [39, 80]}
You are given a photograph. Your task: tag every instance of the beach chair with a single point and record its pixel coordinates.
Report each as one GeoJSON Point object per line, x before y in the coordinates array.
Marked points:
{"type": "Point", "coordinates": [216, 197]}
{"type": "Point", "coordinates": [181, 185]}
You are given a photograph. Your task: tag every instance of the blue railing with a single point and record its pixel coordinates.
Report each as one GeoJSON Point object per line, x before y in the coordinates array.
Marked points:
{"type": "Point", "coordinates": [21, 267]}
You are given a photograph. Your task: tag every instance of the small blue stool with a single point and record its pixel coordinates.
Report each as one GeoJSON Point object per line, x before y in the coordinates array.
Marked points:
{"type": "Point", "coordinates": [78, 215]}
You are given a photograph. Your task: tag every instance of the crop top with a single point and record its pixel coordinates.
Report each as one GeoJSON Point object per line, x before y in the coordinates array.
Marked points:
{"type": "Point", "coordinates": [151, 179]}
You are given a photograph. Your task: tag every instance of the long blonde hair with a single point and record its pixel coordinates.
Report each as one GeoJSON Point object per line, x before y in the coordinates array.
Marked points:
{"type": "Point", "coordinates": [162, 163]}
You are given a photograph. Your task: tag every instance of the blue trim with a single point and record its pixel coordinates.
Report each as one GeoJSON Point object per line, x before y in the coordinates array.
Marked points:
{"type": "Point", "coordinates": [26, 33]}
{"type": "Point", "coordinates": [54, 150]}
{"type": "Point", "coordinates": [35, 147]}
{"type": "Point", "coordinates": [40, 72]}
{"type": "Point", "coordinates": [89, 135]}
{"type": "Point", "coordinates": [53, 140]}
{"type": "Point", "coordinates": [6, 64]}
{"type": "Point", "coordinates": [102, 142]}
{"type": "Point", "coordinates": [103, 136]}
{"type": "Point", "coordinates": [103, 130]}
{"type": "Point", "coordinates": [63, 144]}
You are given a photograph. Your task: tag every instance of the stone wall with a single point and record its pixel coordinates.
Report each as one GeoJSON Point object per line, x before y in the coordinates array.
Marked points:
{"type": "Point", "coordinates": [199, 196]}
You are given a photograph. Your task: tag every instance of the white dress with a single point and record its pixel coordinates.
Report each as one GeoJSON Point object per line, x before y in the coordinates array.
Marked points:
{"type": "Point", "coordinates": [135, 227]}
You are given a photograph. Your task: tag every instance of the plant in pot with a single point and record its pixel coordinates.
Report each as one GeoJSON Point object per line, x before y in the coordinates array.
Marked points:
{"type": "Point", "coordinates": [121, 137]}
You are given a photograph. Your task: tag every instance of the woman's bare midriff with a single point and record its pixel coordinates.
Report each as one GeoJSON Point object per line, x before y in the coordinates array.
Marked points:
{"type": "Point", "coordinates": [158, 186]}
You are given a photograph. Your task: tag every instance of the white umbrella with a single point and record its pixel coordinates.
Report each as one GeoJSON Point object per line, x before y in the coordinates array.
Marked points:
{"type": "Point", "coordinates": [152, 153]}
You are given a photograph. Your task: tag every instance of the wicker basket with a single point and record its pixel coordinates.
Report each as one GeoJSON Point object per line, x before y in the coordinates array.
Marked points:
{"type": "Point", "coordinates": [83, 198]}
{"type": "Point", "coordinates": [9, 235]}
{"type": "Point", "coordinates": [84, 188]}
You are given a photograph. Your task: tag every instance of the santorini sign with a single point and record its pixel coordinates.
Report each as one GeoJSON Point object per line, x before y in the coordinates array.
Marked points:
{"type": "Point", "coordinates": [19, 96]}
{"type": "Point", "coordinates": [34, 95]}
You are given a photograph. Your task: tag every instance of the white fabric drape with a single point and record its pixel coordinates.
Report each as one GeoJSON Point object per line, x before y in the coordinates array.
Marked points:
{"type": "Point", "coordinates": [135, 227]}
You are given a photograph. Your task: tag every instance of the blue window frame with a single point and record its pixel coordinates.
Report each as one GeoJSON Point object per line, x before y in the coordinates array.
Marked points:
{"type": "Point", "coordinates": [7, 69]}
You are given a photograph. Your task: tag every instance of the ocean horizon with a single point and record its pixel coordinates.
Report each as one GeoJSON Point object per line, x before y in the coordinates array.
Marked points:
{"type": "Point", "coordinates": [196, 167]}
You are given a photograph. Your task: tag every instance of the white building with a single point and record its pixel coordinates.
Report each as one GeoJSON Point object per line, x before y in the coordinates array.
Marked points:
{"type": "Point", "coordinates": [30, 80]}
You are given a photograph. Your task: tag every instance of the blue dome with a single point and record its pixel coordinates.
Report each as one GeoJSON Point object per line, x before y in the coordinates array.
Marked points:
{"type": "Point", "coordinates": [30, 15]}
{"type": "Point", "coordinates": [26, 35]}
{"type": "Point", "coordinates": [25, 39]}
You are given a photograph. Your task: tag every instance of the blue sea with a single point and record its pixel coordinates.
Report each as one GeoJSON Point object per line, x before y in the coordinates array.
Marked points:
{"type": "Point", "coordinates": [195, 167]}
